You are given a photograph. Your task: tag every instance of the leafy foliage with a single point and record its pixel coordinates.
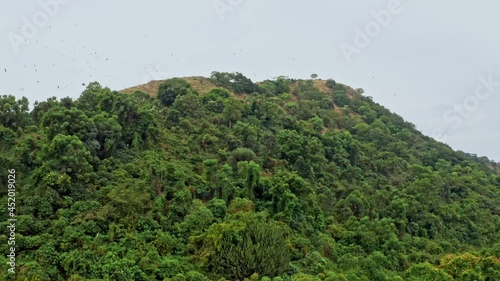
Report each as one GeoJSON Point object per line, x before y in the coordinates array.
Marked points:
{"type": "Point", "coordinates": [172, 88]}
{"type": "Point", "coordinates": [280, 180]}
{"type": "Point", "coordinates": [260, 248]}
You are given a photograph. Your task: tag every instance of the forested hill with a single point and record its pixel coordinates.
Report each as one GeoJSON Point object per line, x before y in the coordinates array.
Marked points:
{"type": "Point", "coordinates": [221, 178]}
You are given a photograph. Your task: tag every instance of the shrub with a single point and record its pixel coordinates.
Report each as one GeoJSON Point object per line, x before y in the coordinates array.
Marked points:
{"type": "Point", "coordinates": [261, 249]}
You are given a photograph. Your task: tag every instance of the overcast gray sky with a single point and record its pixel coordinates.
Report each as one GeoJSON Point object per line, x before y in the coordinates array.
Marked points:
{"type": "Point", "coordinates": [437, 64]}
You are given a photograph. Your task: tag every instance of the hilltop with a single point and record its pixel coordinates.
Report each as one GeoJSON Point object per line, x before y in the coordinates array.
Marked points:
{"type": "Point", "coordinates": [224, 178]}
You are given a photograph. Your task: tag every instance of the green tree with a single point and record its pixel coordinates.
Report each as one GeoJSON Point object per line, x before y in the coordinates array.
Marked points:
{"type": "Point", "coordinates": [232, 111]}
{"type": "Point", "coordinates": [172, 88]}
{"type": "Point", "coordinates": [14, 113]}
{"type": "Point", "coordinates": [65, 166]}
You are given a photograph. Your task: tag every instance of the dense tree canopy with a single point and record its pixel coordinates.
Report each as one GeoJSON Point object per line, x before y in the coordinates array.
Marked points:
{"type": "Point", "coordinates": [227, 179]}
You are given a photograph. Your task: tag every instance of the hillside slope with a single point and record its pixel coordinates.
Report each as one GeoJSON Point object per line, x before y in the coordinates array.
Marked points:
{"type": "Point", "coordinates": [221, 178]}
